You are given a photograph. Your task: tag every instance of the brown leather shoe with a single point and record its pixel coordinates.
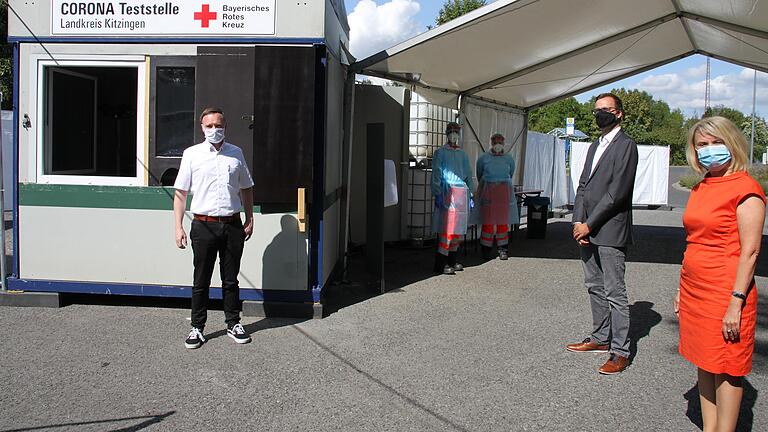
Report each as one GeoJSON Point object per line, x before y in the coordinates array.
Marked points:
{"type": "Point", "coordinates": [614, 365]}
{"type": "Point", "coordinates": [587, 346]}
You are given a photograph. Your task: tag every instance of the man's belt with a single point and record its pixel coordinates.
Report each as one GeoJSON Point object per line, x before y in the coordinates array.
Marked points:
{"type": "Point", "coordinates": [221, 219]}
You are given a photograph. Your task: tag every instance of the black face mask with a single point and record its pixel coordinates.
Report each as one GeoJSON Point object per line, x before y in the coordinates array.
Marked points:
{"type": "Point", "coordinates": [605, 119]}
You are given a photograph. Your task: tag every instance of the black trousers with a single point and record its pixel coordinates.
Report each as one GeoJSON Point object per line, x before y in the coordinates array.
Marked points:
{"type": "Point", "coordinates": [226, 240]}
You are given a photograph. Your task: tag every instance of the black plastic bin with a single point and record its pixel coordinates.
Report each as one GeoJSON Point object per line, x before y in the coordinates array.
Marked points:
{"type": "Point", "coordinates": [538, 210]}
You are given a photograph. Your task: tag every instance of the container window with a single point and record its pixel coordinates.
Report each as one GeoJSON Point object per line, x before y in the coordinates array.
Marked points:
{"type": "Point", "coordinates": [175, 115]}
{"type": "Point", "coordinates": [89, 122]}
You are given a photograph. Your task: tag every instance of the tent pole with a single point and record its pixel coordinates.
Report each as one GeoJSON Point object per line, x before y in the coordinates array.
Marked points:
{"type": "Point", "coordinates": [3, 287]}
{"type": "Point", "coordinates": [554, 164]}
{"type": "Point", "coordinates": [752, 137]}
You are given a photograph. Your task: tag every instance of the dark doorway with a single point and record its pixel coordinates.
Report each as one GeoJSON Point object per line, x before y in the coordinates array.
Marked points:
{"type": "Point", "coordinates": [90, 121]}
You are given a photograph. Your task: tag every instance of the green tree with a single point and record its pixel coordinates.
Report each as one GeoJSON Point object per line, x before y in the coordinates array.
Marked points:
{"type": "Point", "coordinates": [548, 117]}
{"type": "Point", "coordinates": [734, 115]}
{"type": "Point", "coordinates": [453, 9]}
{"type": "Point", "coordinates": [663, 116]}
{"type": "Point", "coordinates": [637, 121]}
{"type": "Point", "coordinates": [651, 122]}
{"type": "Point", "coordinates": [6, 70]}
{"type": "Point", "coordinates": [689, 122]}
{"type": "Point", "coordinates": [668, 129]}
{"type": "Point", "coordinates": [761, 136]}
{"type": "Point", "coordinates": [672, 137]}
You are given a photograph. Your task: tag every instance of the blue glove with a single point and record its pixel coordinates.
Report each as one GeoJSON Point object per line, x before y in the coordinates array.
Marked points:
{"type": "Point", "coordinates": [438, 201]}
{"type": "Point", "coordinates": [471, 202]}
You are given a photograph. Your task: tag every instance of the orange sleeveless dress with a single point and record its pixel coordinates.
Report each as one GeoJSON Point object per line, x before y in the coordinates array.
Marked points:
{"type": "Point", "coordinates": [709, 272]}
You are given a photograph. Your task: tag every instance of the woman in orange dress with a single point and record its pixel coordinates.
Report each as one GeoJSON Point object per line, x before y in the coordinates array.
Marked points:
{"type": "Point", "coordinates": [717, 299]}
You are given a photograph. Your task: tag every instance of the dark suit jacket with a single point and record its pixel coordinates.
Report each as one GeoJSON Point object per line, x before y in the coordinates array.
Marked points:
{"type": "Point", "coordinates": [604, 198]}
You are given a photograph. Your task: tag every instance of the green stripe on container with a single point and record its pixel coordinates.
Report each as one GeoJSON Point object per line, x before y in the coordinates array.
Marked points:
{"type": "Point", "coordinates": [114, 197]}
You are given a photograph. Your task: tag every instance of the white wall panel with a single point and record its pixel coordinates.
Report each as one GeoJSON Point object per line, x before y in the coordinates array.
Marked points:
{"type": "Point", "coordinates": [137, 246]}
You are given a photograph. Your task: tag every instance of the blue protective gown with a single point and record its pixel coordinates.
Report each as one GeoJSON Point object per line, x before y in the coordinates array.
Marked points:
{"type": "Point", "coordinates": [450, 167]}
{"type": "Point", "coordinates": [493, 168]}
{"type": "Point", "coordinates": [451, 170]}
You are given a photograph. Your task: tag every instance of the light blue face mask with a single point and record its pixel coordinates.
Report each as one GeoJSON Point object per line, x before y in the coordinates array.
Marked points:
{"type": "Point", "coordinates": [713, 156]}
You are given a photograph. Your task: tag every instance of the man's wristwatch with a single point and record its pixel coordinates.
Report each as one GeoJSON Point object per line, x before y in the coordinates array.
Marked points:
{"type": "Point", "coordinates": [740, 295]}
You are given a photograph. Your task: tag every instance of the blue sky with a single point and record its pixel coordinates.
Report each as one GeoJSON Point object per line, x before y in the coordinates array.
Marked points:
{"type": "Point", "coordinates": [380, 24]}
{"type": "Point", "coordinates": [426, 15]}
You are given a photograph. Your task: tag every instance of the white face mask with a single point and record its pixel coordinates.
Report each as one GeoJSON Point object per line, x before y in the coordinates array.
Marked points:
{"type": "Point", "coordinates": [213, 135]}
{"type": "Point", "coordinates": [453, 138]}
{"type": "Point", "coordinates": [498, 148]}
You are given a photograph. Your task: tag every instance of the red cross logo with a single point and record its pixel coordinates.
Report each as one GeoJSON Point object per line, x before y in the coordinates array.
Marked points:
{"type": "Point", "coordinates": [205, 15]}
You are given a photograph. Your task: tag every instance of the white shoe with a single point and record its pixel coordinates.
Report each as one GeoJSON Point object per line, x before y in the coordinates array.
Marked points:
{"type": "Point", "coordinates": [238, 334]}
{"type": "Point", "coordinates": [195, 339]}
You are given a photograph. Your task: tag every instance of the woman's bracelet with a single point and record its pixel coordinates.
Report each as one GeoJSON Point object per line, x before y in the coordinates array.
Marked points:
{"type": "Point", "coordinates": [740, 295]}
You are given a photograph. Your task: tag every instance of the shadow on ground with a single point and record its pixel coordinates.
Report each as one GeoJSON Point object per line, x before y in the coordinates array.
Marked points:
{"type": "Point", "coordinates": [176, 303]}
{"type": "Point", "coordinates": [121, 300]}
{"type": "Point", "coordinates": [746, 416]}
{"type": "Point", "coordinates": [148, 421]}
{"type": "Point", "coordinates": [405, 265]}
{"type": "Point", "coordinates": [652, 244]}
{"type": "Point", "coordinates": [263, 324]}
{"type": "Point", "coordinates": [642, 318]}
{"type": "Point", "coordinates": [760, 355]}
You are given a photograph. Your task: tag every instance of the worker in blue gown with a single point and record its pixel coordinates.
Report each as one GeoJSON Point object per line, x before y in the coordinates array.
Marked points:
{"type": "Point", "coordinates": [452, 189]}
{"type": "Point", "coordinates": [496, 196]}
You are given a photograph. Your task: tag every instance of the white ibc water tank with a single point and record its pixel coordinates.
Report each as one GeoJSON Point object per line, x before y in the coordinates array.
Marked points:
{"type": "Point", "coordinates": [427, 133]}
{"type": "Point", "coordinates": [420, 204]}
{"type": "Point", "coordinates": [427, 127]}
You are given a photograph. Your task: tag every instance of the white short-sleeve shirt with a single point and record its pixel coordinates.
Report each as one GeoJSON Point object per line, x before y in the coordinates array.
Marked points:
{"type": "Point", "coordinates": [214, 178]}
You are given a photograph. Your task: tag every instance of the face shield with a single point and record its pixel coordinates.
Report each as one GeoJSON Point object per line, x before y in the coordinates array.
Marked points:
{"type": "Point", "coordinates": [452, 132]}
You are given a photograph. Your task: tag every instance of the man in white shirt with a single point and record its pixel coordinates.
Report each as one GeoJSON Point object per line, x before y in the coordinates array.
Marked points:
{"type": "Point", "coordinates": [216, 175]}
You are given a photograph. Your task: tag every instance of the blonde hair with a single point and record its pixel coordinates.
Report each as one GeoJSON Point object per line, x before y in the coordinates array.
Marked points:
{"type": "Point", "coordinates": [718, 127]}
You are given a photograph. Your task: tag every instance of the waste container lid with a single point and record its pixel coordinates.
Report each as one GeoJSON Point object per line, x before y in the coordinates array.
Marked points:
{"type": "Point", "coordinates": [537, 200]}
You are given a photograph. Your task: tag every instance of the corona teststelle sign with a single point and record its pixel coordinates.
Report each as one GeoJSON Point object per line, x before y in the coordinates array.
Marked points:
{"type": "Point", "coordinates": [163, 17]}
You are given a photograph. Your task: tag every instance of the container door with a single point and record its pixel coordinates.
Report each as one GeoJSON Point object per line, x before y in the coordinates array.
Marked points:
{"type": "Point", "coordinates": [225, 79]}
{"type": "Point", "coordinates": [267, 95]}
{"type": "Point", "coordinates": [284, 122]}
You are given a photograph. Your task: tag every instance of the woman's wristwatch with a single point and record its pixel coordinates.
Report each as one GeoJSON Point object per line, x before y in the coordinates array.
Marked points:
{"type": "Point", "coordinates": [740, 295]}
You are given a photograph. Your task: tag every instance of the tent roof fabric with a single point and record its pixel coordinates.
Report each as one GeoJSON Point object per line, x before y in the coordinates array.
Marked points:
{"type": "Point", "coordinates": [527, 53]}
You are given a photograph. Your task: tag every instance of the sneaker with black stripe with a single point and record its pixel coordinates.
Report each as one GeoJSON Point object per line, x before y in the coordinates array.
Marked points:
{"type": "Point", "coordinates": [195, 338]}
{"type": "Point", "coordinates": [238, 334]}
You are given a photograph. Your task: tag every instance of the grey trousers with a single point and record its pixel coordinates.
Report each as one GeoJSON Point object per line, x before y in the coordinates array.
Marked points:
{"type": "Point", "coordinates": [604, 280]}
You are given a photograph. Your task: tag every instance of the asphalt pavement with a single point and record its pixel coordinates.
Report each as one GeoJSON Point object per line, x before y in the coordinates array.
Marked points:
{"type": "Point", "coordinates": [677, 197]}
{"type": "Point", "coordinates": [483, 350]}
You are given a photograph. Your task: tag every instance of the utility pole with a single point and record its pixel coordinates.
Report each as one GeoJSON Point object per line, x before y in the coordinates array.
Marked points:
{"type": "Point", "coordinates": [752, 137]}
{"type": "Point", "coordinates": [707, 94]}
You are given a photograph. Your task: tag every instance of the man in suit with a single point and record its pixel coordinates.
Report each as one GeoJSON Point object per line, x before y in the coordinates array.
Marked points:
{"type": "Point", "coordinates": [602, 225]}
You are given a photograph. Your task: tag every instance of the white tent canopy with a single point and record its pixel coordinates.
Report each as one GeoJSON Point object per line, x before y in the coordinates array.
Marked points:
{"type": "Point", "coordinates": [526, 53]}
